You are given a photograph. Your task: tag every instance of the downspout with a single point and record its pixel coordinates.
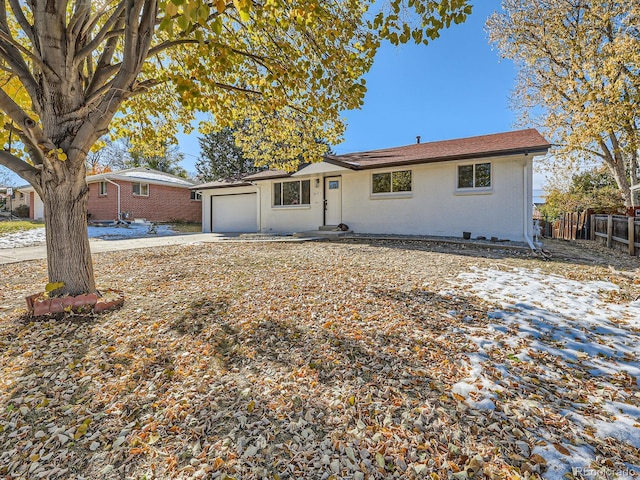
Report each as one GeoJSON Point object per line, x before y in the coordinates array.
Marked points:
{"type": "Point", "coordinates": [525, 205]}
{"type": "Point", "coordinates": [259, 205]}
{"type": "Point", "coordinates": [118, 187]}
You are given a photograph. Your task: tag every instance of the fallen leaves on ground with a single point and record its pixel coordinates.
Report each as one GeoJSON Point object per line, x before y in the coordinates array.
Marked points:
{"type": "Point", "coordinates": [318, 361]}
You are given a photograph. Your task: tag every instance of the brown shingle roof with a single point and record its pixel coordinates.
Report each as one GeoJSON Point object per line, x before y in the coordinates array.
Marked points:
{"type": "Point", "coordinates": [267, 174]}
{"type": "Point", "coordinates": [521, 141]}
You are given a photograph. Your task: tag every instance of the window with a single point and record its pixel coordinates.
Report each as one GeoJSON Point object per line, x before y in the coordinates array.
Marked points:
{"type": "Point", "coordinates": [477, 175]}
{"type": "Point", "coordinates": [334, 184]}
{"type": "Point", "coordinates": [391, 182]}
{"type": "Point", "coordinates": [102, 188]}
{"type": "Point", "coordinates": [141, 189]}
{"type": "Point", "coordinates": [196, 195]}
{"type": "Point", "coordinates": [292, 193]}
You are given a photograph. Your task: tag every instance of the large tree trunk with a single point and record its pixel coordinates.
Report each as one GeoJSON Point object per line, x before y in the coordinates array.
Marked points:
{"type": "Point", "coordinates": [617, 162]}
{"type": "Point", "coordinates": [68, 252]}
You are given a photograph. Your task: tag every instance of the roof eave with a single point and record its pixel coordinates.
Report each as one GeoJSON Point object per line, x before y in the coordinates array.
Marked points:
{"type": "Point", "coordinates": [534, 151]}
{"type": "Point", "coordinates": [340, 163]}
{"type": "Point", "coordinates": [274, 177]}
{"type": "Point", "coordinates": [215, 187]}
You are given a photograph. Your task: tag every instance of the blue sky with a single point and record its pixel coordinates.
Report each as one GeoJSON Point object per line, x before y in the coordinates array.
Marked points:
{"type": "Point", "coordinates": [454, 87]}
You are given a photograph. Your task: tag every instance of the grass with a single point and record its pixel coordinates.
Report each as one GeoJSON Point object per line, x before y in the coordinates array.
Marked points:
{"type": "Point", "coordinates": [7, 227]}
{"type": "Point", "coordinates": [186, 227]}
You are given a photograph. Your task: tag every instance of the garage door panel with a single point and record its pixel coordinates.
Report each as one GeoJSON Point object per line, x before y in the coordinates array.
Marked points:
{"type": "Point", "coordinates": [235, 213]}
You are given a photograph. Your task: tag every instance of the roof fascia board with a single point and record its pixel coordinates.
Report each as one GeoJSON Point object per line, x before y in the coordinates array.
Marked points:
{"type": "Point", "coordinates": [264, 179]}
{"type": "Point", "coordinates": [533, 152]}
{"type": "Point", "coordinates": [215, 187]}
{"type": "Point", "coordinates": [339, 163]}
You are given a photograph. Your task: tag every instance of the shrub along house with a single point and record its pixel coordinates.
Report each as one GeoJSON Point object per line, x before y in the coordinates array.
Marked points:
{"type": "Point", "coordinates": [481, 185]}
{"type": "Point", "coordinates": [135, 193]}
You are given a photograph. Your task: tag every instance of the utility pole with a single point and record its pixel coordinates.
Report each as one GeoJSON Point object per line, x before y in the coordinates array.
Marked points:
{"type": "Point", "coordinates": [10, 195]}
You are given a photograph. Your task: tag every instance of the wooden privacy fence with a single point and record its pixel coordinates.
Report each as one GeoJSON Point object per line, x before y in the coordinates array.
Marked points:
{"type": "Point", "coordinates": [617, 231]}
{"type": "Point", "coordinates": [572, 226]}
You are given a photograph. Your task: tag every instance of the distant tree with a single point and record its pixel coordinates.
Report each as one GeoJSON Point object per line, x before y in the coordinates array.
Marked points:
{"type": "Point", "coordinates": [5, 177]}
{"type": "Point", "coordinates": [122, 154]}
{"type": "Point", "coordinates": [594, 189]}
{"type": "Point", "coordinates": [221, 158]}
{"type": "Point", "coordinates": [166, 160]}
{"type": "Point", "coordinates": [109, 157]}
{"type": "Point", "coordinates": [591, 181]}
{"type": "Point", "coordinates": [578, 78]}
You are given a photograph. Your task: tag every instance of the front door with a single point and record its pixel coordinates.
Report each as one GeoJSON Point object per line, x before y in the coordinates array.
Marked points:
{"type": "Point", "coordinates": [332, 200]}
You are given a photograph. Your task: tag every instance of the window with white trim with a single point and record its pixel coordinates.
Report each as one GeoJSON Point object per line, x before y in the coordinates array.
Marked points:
{"type": "Point", "coordinates": [391, 182]}
{"type": "Point", "coordinates": [196, 195]}
{"type": "Point", "coordinates": [476, 175]}
{"type": "Point", "coordinates": [141, 189]}
{"type": "Point", "coordinates": [292, 193]}
{"type": "Point", "coordinates": [102, 189]}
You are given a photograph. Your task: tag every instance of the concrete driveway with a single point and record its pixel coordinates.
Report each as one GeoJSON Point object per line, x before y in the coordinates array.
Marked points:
{"type": "Point", "coordinates": [24, 254]}
{"type": "Point", "coordinates": [14, 255]}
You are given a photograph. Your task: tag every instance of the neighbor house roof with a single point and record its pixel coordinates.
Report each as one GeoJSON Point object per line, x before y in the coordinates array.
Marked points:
{"type": "Point", "coordinates": [522, 141]}
{"type": "Point", "coordinates": [221, 184]}
{"type": "Point", "coordinates": [23, 188]}
{"type": "Point", "coordinates": [147, 175]}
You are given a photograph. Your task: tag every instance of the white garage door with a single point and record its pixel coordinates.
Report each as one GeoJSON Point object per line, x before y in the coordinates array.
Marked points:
{"type": "Point", "coordinates": [235, 213]}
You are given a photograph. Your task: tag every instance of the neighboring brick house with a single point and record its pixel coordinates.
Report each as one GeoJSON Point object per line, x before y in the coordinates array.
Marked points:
{"type": "Point", "coordinates": [141, 193]}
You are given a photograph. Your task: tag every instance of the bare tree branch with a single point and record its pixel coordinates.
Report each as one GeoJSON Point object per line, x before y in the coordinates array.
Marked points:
{"type": "Point", "coordinates": [104, 70]}
{"type": "Point", "coordinates": [34, 152]}
{"type": "Point", "coordinates": [140, 19]}
{"type": "Point", "coordinates": [8, 40]}
{"type": "Point", "coordinates": [101, 35]}
{"type": "Point", "coordinates": [13, 58]}
{"type": "Point", "coordinates": [93, 21]}
{"type": "Point", "coordinates": [80, 15]}
{"type": "Point", "coordinates": [26, 124]}
{"type": "Point", "coordinates": [259, 59]}
{"type": "Point", "coordinates": [27, 28]}
{"type": "Point", "coordinates": [145, 85]}
{"type": "Point", "coordinates": [237, 89]}
{"type": "Point", "coordinates": [21, 168]}
{"type": "Point", "coordinates": [13, 110]}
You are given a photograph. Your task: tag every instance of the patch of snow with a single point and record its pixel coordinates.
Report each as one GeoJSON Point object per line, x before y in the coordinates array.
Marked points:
{"type": "Point", "coordinates": [480, 398]}
{"type": "Point", "coordinates": [133, 230]}
{"type": "Point", "coordinates": [571, 323]}
{"type": "Point", "coordinates": [36, 236]}
{"type": "Point", "coordinates": [26, 238]}
{"type": "Point", "coordinates": [561, 467]}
